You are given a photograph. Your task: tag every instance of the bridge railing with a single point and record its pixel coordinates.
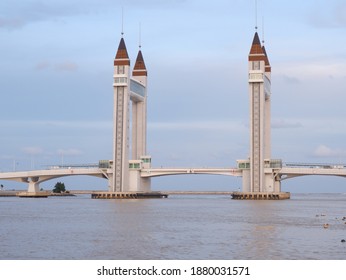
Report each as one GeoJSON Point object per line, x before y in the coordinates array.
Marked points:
{"type": "Point", "coordinates": [314, 165]}
{"type": "Point", "coordinates": [191, 168]}
{"type": "Point", "coordinates": [71, 166]}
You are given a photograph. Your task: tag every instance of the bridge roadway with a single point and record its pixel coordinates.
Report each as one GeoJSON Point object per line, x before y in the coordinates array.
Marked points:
{"type": "Point", "coordinates": [35, 177]}
{"type": "Point", "coordinates": [47, 174]}
{"type": "Point", "coordinates": [156, 172]}
{"type": "Point", "coordinates": [327, 170]}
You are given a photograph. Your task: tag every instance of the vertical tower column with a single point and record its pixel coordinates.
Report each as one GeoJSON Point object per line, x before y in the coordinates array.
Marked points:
{"type": "Point", "coordinates": [257, 115]}
{"type": "Point", "coordinates": [267, 105]}
{"type": "Point", "coordinates": [139, 110]}
{"type": "Point", "coordinates": [121, 120]}
{"type": "Point", "coordinates": [139, 125]}
{"type": "Point", "coordinates": [259, 171]}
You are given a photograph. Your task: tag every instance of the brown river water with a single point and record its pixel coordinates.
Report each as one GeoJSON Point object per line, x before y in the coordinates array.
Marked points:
{"type": "Point", "coordinates": [179, 227]}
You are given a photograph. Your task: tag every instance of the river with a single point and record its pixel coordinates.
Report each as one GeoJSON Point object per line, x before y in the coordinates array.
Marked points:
{"type": "Point", "coordinates": [179, 227]}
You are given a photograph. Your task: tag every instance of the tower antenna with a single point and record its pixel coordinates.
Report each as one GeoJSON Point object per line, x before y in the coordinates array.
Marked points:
{"type": "Point", "coordinates": [140, 35]}
{"type": "Point", "coordinates": [256, 27]}
{"type": "Point", "coordinates": [263, 30]}
{"type": "Point", "coordinates": [122, 21]}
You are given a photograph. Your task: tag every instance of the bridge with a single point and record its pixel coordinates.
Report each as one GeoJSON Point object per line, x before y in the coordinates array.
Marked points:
{"type": "Point", "coordinates": [156, 172]}
{"type": "Point", "coordinates": [261, 174]}
{"type": "Point", "coordinates": [287, 171]}
{"type": "Point", "coordinates": [35, 177]}
{"type": "Point", "coordinates": [295, 170]}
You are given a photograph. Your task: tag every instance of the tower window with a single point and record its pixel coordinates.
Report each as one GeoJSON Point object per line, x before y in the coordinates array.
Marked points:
{"type": "Point", "coordinates": [256, 65]}
{"type": "Point", "coordinates": [121, 69]}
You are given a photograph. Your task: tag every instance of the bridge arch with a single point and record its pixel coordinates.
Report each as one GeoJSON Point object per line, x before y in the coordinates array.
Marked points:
{"type": "Point", "coordinates": [286, 177]}
{"type": "Point", "coordinates": [195, 182]}
{"type": "Point", "coordinates": [314, 183]}
{"type": "Point", "coordinates": [158, 172]}
{"type": "Point", "coordinates": [34, 178]}
{"type": "Point", "coordinates": [77, 182]}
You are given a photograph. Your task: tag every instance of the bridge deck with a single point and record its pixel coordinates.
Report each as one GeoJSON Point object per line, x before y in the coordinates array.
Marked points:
{"type": "Point", "coordinates": [50, 173]}
{"type": "Point", "coordinates": [286, 172]}
{"type": "Point", "coordinates": [302, 171]}
{"type": "Point", "coordinates": [155, 172]}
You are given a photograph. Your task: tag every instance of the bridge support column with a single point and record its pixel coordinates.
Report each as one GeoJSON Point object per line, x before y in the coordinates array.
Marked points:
{"type": "Point", "coordinates": [270, 183]}
{"type": "Point", "coordinates": [110, 182]}
{"type": "Point", "coordinates": [34, 185]}
{"type": "Point", "coordinates": [138, 184]}
{"type": "Point", "coordinates": [269, 189]}
{"type": "Point", "coordinates": [246, 187]}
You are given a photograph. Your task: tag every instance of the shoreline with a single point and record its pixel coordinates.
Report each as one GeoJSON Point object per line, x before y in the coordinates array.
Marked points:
{"type": "Point", "coordinates": [11, 193]}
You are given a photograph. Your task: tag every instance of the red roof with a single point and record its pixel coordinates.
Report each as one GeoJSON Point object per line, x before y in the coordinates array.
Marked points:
{"type": "Point", "coordinates": [256, 51]}
{"type": "Point", "coordinates": [140, 65]}
{"type": "Point", "coordinates": [266, 60]}
{"type": "Point", "coordinates": [122, 58]}
{"type": "Point", "coordinates": [139, 69]}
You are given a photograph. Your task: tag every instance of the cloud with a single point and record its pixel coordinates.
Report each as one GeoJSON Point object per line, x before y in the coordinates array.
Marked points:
{"type": "Point", "coordinates": [6, 157]}
{"type": "Point", "coordinates": [66, 66]}
{"type": "Point", "coordinates": [280, 123]}
{"type": "Point", "coordinates": [42, 65]}
{"type": "Point", "coordinates": [155, 4]}
{"type": "Point", "coordinates": [17, 14]}
{"type": "Point", "coordinates": [222, 125]}
{"type": "Point", "coordinates": [21, 13]}
{"type": "Point", "coordinates": [333, 15]}
{"type": "Point", "coordinates": [317, 66]}
{"type": "Point", "coordinates": [33, 151]}
{"type": "Point", "coordinates": [21, 124]}
{"type": "Point", "coordinates": [290, 79]}
{"type": "Point", "coordinates": [325, 151]}
{"type": "Point", "coordinates": [11, 23]}
{"type": "Point", "coordinates": [69, 152]}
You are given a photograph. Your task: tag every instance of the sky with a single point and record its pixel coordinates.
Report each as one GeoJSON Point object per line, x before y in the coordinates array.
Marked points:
{"type": "Point", "coordinates": [56, 68]}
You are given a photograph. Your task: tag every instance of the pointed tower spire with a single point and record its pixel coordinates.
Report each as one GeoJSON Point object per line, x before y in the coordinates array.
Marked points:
{"type": "Point", "coordinates": [139, 112]}
{"type": "Point", "coordinates": [139, 69]}
{"type": "Point", "coordinates": [256, 51]}
{"type": "Point", "coordinates": [122, 57]}
{"type": "Point", "coordinates": [256, 47]}
{"type": "Point", "coordinates": [266, 61]}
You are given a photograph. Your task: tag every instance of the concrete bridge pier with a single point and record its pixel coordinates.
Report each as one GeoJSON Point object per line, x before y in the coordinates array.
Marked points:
{"type": "Point", "coordinates": [137, 183]}
{"type": "Point", "coordinates": [270, 181]}
{"type": "Point", "coordinates": [270, 190]}
{"type": "Point", "coordinates": [34, 185]}
{"type": "Point", "coordinates": [33, 188]}
{"type": "Point", "coordinates": [271, 184]}
{"type": "Point", "coordinates": [110, 182]}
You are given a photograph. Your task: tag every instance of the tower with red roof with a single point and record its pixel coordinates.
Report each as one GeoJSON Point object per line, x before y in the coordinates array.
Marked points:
{"type": "Point", "coordinates": [125, 175]}
{"type": "Point", "coordinates": [121, 120]}
{"type": "Point", "coordinates": [258, 170]}
{"type": "Point", "coordinates": [139, 110]}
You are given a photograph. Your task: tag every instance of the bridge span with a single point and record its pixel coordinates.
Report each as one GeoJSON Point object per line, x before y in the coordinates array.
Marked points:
{"type": "Point", "coordinates": [156, 172]}
{"type": "Point", "coordinates": [296, 171]}
{"type": "Point", "coordinates": [35, 177]}
{"type": "Point", "coordinates": [287, 171]}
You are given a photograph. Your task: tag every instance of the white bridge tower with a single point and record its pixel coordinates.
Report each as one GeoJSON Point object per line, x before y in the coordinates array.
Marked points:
{"type": "Point", "coordinates": [125, 172]}
{"type": "Point", "coordinates": [259, 169]}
